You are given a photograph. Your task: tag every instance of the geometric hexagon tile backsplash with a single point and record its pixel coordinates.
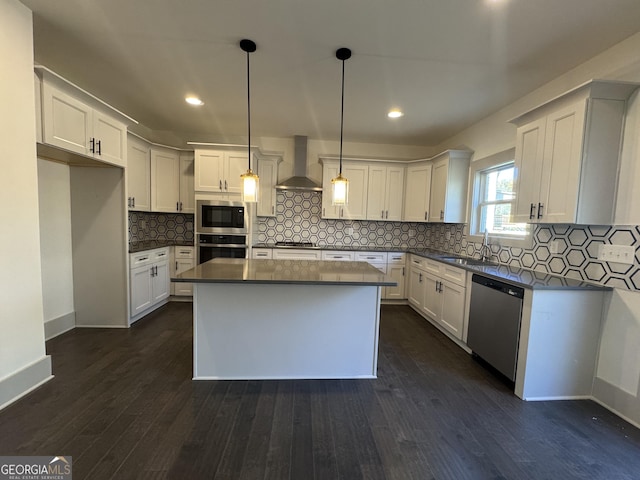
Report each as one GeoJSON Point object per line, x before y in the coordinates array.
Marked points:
{"type": "Point", "coordinates": [298, 219]}
{"type": "Point", "coordinates": [145, 226]}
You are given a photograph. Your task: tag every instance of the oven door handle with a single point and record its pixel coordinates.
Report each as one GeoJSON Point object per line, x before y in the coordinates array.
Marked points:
{"type": "Point", "coordinates": [222, 245]}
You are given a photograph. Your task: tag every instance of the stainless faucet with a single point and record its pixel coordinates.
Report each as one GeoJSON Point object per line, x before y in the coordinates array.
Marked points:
{"type": "Point", "coordinates": [485, 249]}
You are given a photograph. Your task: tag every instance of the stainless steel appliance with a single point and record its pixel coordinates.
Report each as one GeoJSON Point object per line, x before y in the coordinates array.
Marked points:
{"type": "Point", "coordinates": [494, 323]}
{"type": "Point", "coordinates": [215, 246]}
{"type": "Point", "coordinates": [221, 217]}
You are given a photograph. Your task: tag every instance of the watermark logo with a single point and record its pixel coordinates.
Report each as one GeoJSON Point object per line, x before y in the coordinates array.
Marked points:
{"type": "Point", "coordinates": [36, 468]}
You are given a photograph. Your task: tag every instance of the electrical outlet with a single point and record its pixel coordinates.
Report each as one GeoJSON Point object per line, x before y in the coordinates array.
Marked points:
{"type": "Point", "coordinates": [349, 231]}
{"type": "Point", "coordinates": [617, 254]}
{"type": "Point", "coordinates": [553, 247]}
{"type": "Point", "coordinates": [412, 233]}
{"type": "Point", "coordinates": [143, 224]}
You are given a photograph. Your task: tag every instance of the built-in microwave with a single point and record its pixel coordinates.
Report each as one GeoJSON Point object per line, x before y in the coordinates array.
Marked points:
{"type": "Point", "coordinates": [221, 217]}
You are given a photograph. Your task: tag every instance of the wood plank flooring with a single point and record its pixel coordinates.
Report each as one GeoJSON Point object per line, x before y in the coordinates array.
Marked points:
{"type": "Point", "coordinates": [123, 405]}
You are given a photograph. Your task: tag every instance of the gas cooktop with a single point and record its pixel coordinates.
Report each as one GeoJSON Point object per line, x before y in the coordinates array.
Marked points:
{"type": "Point", "coordinates": [289, 243]}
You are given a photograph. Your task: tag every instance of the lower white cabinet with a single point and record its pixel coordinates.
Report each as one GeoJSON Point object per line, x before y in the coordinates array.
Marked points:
{"type": "Point", "coordinates": [437, 291]}
{"type": "Point", "coordinates": [183, 260]}
{"type": "Point", "coordinates": [396, 269]}
{"type": "Point", "coordinates": [337, 255]}
{"type": "Point", "coordinates": [149, 281]}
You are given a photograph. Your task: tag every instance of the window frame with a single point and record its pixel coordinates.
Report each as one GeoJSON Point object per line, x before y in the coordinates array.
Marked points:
{"type": "Point", "coordinates": [476, 171]}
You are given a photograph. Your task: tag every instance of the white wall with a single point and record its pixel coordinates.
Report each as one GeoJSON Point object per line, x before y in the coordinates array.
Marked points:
{"type": "Point", "coordinates": [23, 363]}
{"type": "Point", "coordinates": [618, 371]}
{"type": "Point", "coordinates": [55, 245]}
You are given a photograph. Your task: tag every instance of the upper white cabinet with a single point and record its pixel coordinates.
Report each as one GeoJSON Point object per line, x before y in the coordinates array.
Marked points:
{"type": "Point", "coordinates": [187, 193]}
{"type": "Point", "coordinates": [268, 173]}
{"type": "Point", "coordinates": [385, 192]}
{"type": "Point", "coordinates": [218, 171]}
{"type": "Point", "coordinates": [138, 174]}
{"type": "Point", "coordinates": [165, 180]}
{"type": "Point", "coordinates": [567, 156]}
{"type": "Point", "coordinates": [358, 175]}
{"type": "Point", "coordinates": [418, 192]}
{"type": "Point", "coordinates": [76, 121]}
{"type": "Point", "coordinates": [449, 184]}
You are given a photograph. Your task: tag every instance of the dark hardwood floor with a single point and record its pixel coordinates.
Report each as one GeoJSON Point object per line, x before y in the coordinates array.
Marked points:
{"type": "Point", "coordinates": [123, 406]}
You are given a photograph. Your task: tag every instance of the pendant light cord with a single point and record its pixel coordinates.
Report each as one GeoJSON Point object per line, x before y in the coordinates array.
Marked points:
{"type": "Point", "coordinates": [341, 117]}
{"type": "Point", "coordinates": [248, 113]}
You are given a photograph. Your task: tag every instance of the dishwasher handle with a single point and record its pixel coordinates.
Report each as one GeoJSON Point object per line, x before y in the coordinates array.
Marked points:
{"type": "Point", "coordinates": [512, 290]}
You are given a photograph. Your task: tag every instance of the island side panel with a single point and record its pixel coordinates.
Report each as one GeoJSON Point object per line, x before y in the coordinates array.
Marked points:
{"type": "Point", "coordinates": [284, 331]}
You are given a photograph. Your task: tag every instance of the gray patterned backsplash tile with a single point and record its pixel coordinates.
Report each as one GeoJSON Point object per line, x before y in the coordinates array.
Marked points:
{"type": "Point", "coordinates": [298, 219]}
{"type": "Point", "coordinates": [145, 226]}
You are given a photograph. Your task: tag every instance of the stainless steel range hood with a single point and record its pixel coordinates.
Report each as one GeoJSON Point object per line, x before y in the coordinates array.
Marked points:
{"type": "Point", "coordinates": [299, 181]}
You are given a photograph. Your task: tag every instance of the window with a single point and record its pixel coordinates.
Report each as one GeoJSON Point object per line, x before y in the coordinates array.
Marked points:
{"type": "Point", "coordinates": [493, 201]}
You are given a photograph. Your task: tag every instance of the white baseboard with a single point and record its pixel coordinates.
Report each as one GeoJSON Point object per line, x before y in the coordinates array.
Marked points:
{"type": "Point", "coordinates": [60, 325]}
{"type": "Point", "coordinates": [20, 383]}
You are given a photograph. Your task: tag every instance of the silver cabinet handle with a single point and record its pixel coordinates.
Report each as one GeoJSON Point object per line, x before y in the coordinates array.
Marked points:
{"type": "Point", "coordinates": [225, 185]}
{"type": "Point", "coordinates": [531, 211]}
{"type": "Point", "coordinates": [220, 184]}
{"type": "Point", "coordinates": [382, 214]}
{"type": "Point", "coordinates": [99, 144]}
{"type": "Point", "coordinates": [540, 207]}
{"type": "Point", "coordinates": [177, 206]}
{"type": "Point", "coordinates": [386, 215]}
{"type": "Point", "coordinates": [92, 145]}
{"type": "Point", "coordinates": [425, 215]}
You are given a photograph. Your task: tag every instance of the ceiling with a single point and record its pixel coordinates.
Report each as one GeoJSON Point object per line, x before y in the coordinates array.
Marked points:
{"type": "Point", "coordinates": [446, 64]}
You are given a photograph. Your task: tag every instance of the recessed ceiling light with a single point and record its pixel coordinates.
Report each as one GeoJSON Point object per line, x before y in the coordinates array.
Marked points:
{"type": "Point", "coordinates": [395, 113]}
{"type": "Point", "coordinates": [194, 101]}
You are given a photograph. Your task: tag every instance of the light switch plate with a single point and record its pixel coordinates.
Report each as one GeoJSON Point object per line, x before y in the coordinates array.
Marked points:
{"type": "Point", "coordinates": [617, 254]}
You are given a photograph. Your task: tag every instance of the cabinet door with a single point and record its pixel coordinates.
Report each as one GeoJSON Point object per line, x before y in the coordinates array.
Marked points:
{"type": "Point", "coordinates": [235, 165]}
{"type": "Point", "coordinates": [396, 272]}
{"type": "Point", "coordinates": [394, 193]}
{"type": "Point", "coordinates": [110, 138]}
{"type": "Point", "coordinates": [417, 193]}
{"type": "Point", "coordinates": [209, 171]}
{"type": "Point", "coordinates": [376, 201]}
{"type": "Point", "coordinates": [161, 282]}
{"type": "Point", "coordinates": [356, 208]}
{"type": "Point", "coordinates": [453, 301]}
{"type": "Point", "coordinates": [180, 288]}
{"type": "Point", "coordinates": [561, 164]}
{"type": "Point", "coordinates": [268, 173]}
{"type": "Point", "coordinates": [141, 289]}
{"type": "Point", "coordinates": [138, 176]}
{"type": "Point", "coordinates": [432, 300]}
{"type": "Point", "coordinates": [329, 210]}
{"type": "Point", "coordinates": [416, 289]}
{"type": "Point", "coordinates": [528, 170]}
{"type": "Point", "coordinates": [187, 193]}
{"type": "Point", "coordinates": [437, 200]}
{"type": "Point", "coordinates": [67, 121]}
{"type": "Point", "coordinates": [165, 181]}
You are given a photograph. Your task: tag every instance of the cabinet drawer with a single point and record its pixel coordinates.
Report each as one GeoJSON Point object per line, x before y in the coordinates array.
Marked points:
{"type": "Point", "coordinates": [397, 258]}
{"type": "Point", "coordinates": [372, 257]}
{"type": "Point", "coordinates": [161, 255]}
{"type": "Point", "coordinates": [262, 253]}
{"type": "Point", "coordinates": [140, 259]}
{"type": "Point", "coordinates": [337, 255]}
{"type": "Point", "coordinates": [184, 252]}
{"type": "Point", "coordinates": [453, 274]}
{"type": "Point", "coordinates": [433, 267]}
{"type": "Point", "coordinates": [296, 254]}
{"type": "Point", "coordinates": [418, 262]}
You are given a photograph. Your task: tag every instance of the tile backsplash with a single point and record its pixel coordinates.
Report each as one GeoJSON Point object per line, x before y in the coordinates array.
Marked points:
{"type": "Point", "coordinates": [298, 219]}
{"type": "Point", "coordinates": [144, 226]}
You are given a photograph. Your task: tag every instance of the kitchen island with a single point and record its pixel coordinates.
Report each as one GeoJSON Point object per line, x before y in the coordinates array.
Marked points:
{"type": "Point", "coordinates": [285, 319]}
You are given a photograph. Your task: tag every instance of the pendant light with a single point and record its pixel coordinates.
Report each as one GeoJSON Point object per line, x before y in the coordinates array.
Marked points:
{"type": "Point", "coordinates": [250, 180]}
{"type": "Point", "coordinates": [340, 185]}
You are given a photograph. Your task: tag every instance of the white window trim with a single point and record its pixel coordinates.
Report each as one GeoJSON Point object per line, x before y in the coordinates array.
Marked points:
{"type": "Point", "coordinates": [475, 168]}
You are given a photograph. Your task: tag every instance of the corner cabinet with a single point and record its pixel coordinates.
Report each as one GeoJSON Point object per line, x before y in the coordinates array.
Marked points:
{"type": "Point", "coordinates": [358, 176]}
{"type": "Point", "coordinates": [449, 185]}
{"type": "Point", "coordinates": [138, 175]}
{"type": "Point", "coordinates": [568, 153]}
{"type": "Point", "coordinates": [78, 122]}
{"type": "Point", "coordinates": [187, 192]}
{"type": "Point", "coordinates": [218, 171]}
{"type": "Point", "coordinates": [165, 180]}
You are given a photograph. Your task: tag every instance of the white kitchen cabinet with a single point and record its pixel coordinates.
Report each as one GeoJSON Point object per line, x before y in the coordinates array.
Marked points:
{"type": "Point", "coordinates": [183, 260]}
{"type": "Point", "coordinates": [187, 193]}
{"type": "Point", "coordinates": [417, 192]}
{"type": "Point", "coordinates": [268, 173]}
{"type": "Point", "coordinates": [138, 174]}
{"type": "Point", "coordinates": [165, 180]}
{"type": "Point", "coordinates": [337, 255]}
{"type": "Point", "coordinates": [296, 254]}
{"type": "Point", "coordinates": [438, 292]}
{"type": "Point", "coordinates": [358, 176]}
{"type": "Point", "coordinates": [567, 156]}
{"type": "Point", "coordinates": [449, 184]}
{"type": "Point", "coordinates": [218, 171]}
{"type": "Point", "coordinates": [396, 269]}
{"type": "Point", "coordinates": [149, 281]}
{"type": "Point", "coordinates": [385, 192]}
{"type": "Point", "coordinates": [74, 125]}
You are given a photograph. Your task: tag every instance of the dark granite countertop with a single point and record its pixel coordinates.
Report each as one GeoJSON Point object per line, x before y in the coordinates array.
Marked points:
{"type": "Point", "coordinates": [135, 247]}
{"type": "Point", "coordinates": [521, 277]}
{"type": "Point", "coordinates": [346, 248]}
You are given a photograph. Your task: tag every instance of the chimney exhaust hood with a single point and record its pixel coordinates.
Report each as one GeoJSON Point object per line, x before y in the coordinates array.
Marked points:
{"type": "Point", "coordinates": [299, 181]}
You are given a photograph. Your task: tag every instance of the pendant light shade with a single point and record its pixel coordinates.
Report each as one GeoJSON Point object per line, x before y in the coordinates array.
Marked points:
{"type": "Point", "coordinates": [250, 180]}
{"type": "Point", "coordinates": [339, 184]}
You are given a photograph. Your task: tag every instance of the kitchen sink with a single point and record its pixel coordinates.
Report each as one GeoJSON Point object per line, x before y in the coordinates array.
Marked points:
{"type": "Point", "coordinates": [465, 260]}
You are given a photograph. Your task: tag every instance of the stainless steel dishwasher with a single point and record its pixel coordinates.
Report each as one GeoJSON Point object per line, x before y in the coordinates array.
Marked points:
{"type": "Point", "coordinates": [494, 323]}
